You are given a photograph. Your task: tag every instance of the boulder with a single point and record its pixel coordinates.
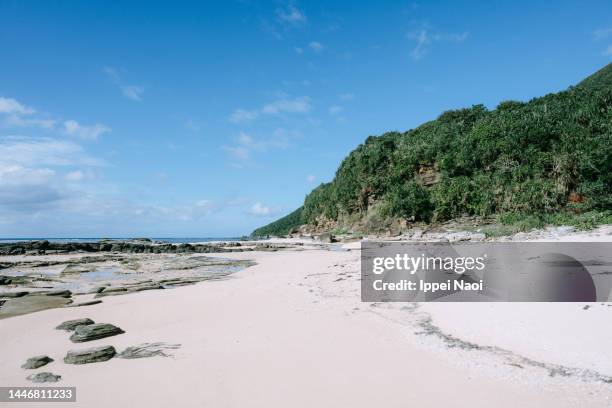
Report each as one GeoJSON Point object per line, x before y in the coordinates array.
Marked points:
{"type": "Point", "coordinates": [44, 377]}
{"type": "Point", "coordinates": [327, 237]}
{"type": "Point", "coordinates": [94, 332]}
{"type": "Point", "coordinates": [90, 355]}
{"type": "Point", "coordinates": [36, 362]}
{"type": "Point", "coordinates": [70, 325]}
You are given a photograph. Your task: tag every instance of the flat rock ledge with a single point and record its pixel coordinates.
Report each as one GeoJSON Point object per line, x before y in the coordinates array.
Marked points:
{"type": "Point", "coordinates": [44, 377]}
{"type": "Point", "coordinates": [88, 303]}
{"type": "Point", "coordinates": [70, 325]}
{"type": "Point", "coordinates": [94, 332]}
{"type": "Point", "coordinates": [90, 355]}
{"type": "Point", "coordinates": [148, 350]}
{"type": "Point", "coordinates": [36, 362]}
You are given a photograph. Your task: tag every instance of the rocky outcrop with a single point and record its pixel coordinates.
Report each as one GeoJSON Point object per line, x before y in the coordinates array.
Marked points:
{"type": "Point", "coordinates": [90, 355]}
{"type": "Point", "coordinates": [13, 294]}
{"type": "Point", "coordinates": [94, 332]}
{"type": "Point", "coordinates": [36, 362]}
{"type": "Point", "coordinates": [44, 377]}
{"type": "Point", "coordinates": [70, 325]}
{"type": "Point", "coordinates": [130, 246]}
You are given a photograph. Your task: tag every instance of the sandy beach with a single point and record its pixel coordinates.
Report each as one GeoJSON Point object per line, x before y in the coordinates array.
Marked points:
{"type": "Point", "coordinates": [292, 331]}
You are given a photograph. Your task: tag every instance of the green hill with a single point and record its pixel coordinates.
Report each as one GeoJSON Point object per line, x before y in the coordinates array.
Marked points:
{"type": "Point", "coordinates": [548, 159]}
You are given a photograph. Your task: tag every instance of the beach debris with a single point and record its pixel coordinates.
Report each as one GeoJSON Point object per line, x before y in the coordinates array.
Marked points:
{"type": "Point", "coordinates": [36, 362]}
{"type": "Point", "coordinates": [90, 355]}
{"type": "Point", "coordinates": [44, 377]}
{"type": "Point", "coordinates": [94, 332]}
{"type": "Point", "coordinates": [70, 325]}
{"type": "Point", "coordinates": [148, 350]}
{"type": "Point", "coordinates": [88, 303]}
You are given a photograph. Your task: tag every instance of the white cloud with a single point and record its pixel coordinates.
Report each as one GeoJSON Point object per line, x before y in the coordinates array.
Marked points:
{"type": "Point", "coordinates": [20, 121]}
{"type": "Point", "coordinates": [310, 178]}
{"type": "Point", "coordinates": [242, 115]}
{"type": "Point", "coordinates": [347, 96]}
{"type": "Point", "coordinates": [24, 151]}
{"type": "Point", "coordinates": [298, 50]}
{"type": "Point", "coordinates": [132, 92]}
{"type": "Point", "coordinates": [245, 145]}
{"type": "Point", "coordinates": [74, 176]}
{"type": "Point", "coordinates": [260, 210]}
{"type": "Point", "coordinates": [73, 128]}
{"type": "Point", "coordinates": [608, 51]}
{"type": "Point", "coordinates": [316, 46]}
{"type": "Point", "coordinates": [292, 16]}
{"type": "Point", "coordinates": [424, 37]}
{"type": "Point", "coordinates": [295, 105]}
{"type": "Point", "coordinates": [335, 110]}
{"type": "Point", "coordinates": [12, 107]}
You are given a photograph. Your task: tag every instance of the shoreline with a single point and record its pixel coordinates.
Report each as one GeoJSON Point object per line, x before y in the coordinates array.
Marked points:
{"type": "Point", "coordinates": [298, 311]}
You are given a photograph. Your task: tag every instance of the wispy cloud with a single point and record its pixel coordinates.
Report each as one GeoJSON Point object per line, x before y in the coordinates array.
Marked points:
{"type": "Point", "coordinates": [608, 51]}
{"type": "Point", "coordinates": [299, 105]}
{"type": "Point", "coordinates": [424, 37]}
{"type": "Point", "coordinates": [16, 114]}
{"type": "Point", "coordinates": [243, 115]}
{"type": "Point", "coordinates": [316, 46]}
{"type": "Point", "coordinates": [244, 146]}
{"type": "Point", "coordinates": [286, 105]}
{"type": "Point", "coordinates": [12, 107]}
{"type": "Point", "coordinates": [261, 210]}
{"type": "Point", "coordinates": [291, 16]}
{"type": "Point", "coordinates": [347, 96]}
{"type": "Point", "coordinates": [311, 178]}
{"type": "Point", "coordinates": [73, 128]}
{"type": "Point", "coordinates": [132, 92]}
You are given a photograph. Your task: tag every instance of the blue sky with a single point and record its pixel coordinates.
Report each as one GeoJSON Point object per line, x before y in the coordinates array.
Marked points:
{"type": "Point", "coordinates": [213, 118]}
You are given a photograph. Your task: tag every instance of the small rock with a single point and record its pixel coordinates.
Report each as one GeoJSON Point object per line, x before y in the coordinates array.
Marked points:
{"type": "Point", "coordinates": [70, 325]}
{"type": "Point", "coordinates": [327, 237]}
{"type": "Point", "coordinates": [96, 289]}
{"type": "Point", "coordinates": [36, 362]}
{"type": "Point", "coordinates": [44, 377]}
{"type": "Point", "coordinates": [90, 355]}
{"type": "Point", "coordinates": [94, 332]}
{"type": "Point", "coordinates": [89, 303]}
{"type": "Point", "coordinates": [59, 292]}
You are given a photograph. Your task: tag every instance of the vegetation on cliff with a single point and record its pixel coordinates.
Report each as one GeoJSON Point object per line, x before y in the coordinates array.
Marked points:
{"type": "Point", "coordinates": [548, 158]}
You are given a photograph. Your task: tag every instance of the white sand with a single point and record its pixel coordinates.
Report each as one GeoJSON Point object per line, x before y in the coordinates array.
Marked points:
{"type": "Point", "coordinates": [288, 333]}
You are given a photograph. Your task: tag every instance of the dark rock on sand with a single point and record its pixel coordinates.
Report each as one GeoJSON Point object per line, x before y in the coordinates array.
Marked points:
{"type": "Point", "coordinates": [13, 294]}
{"type": "Point", "coordinates": [59, 292]}
{"type": "Point", "coordinates": [36, 362]}
{"type": "Point", "coordinates": [70, 325]}
{"type": "Point", "coordinates": [96, 289]}
{"type": "Point", "coordinates": [44, 377]}
{"type": "Point", "coordinates": [94, 332]}
{"type": "Point", "coordinates": [90, 355]}
{"type": "Point", "coordinates": [89, 303]}
{"type": "Point", "coordinates": [327, 237]}
{"type": "Point", "coordinates": [147, 350]}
